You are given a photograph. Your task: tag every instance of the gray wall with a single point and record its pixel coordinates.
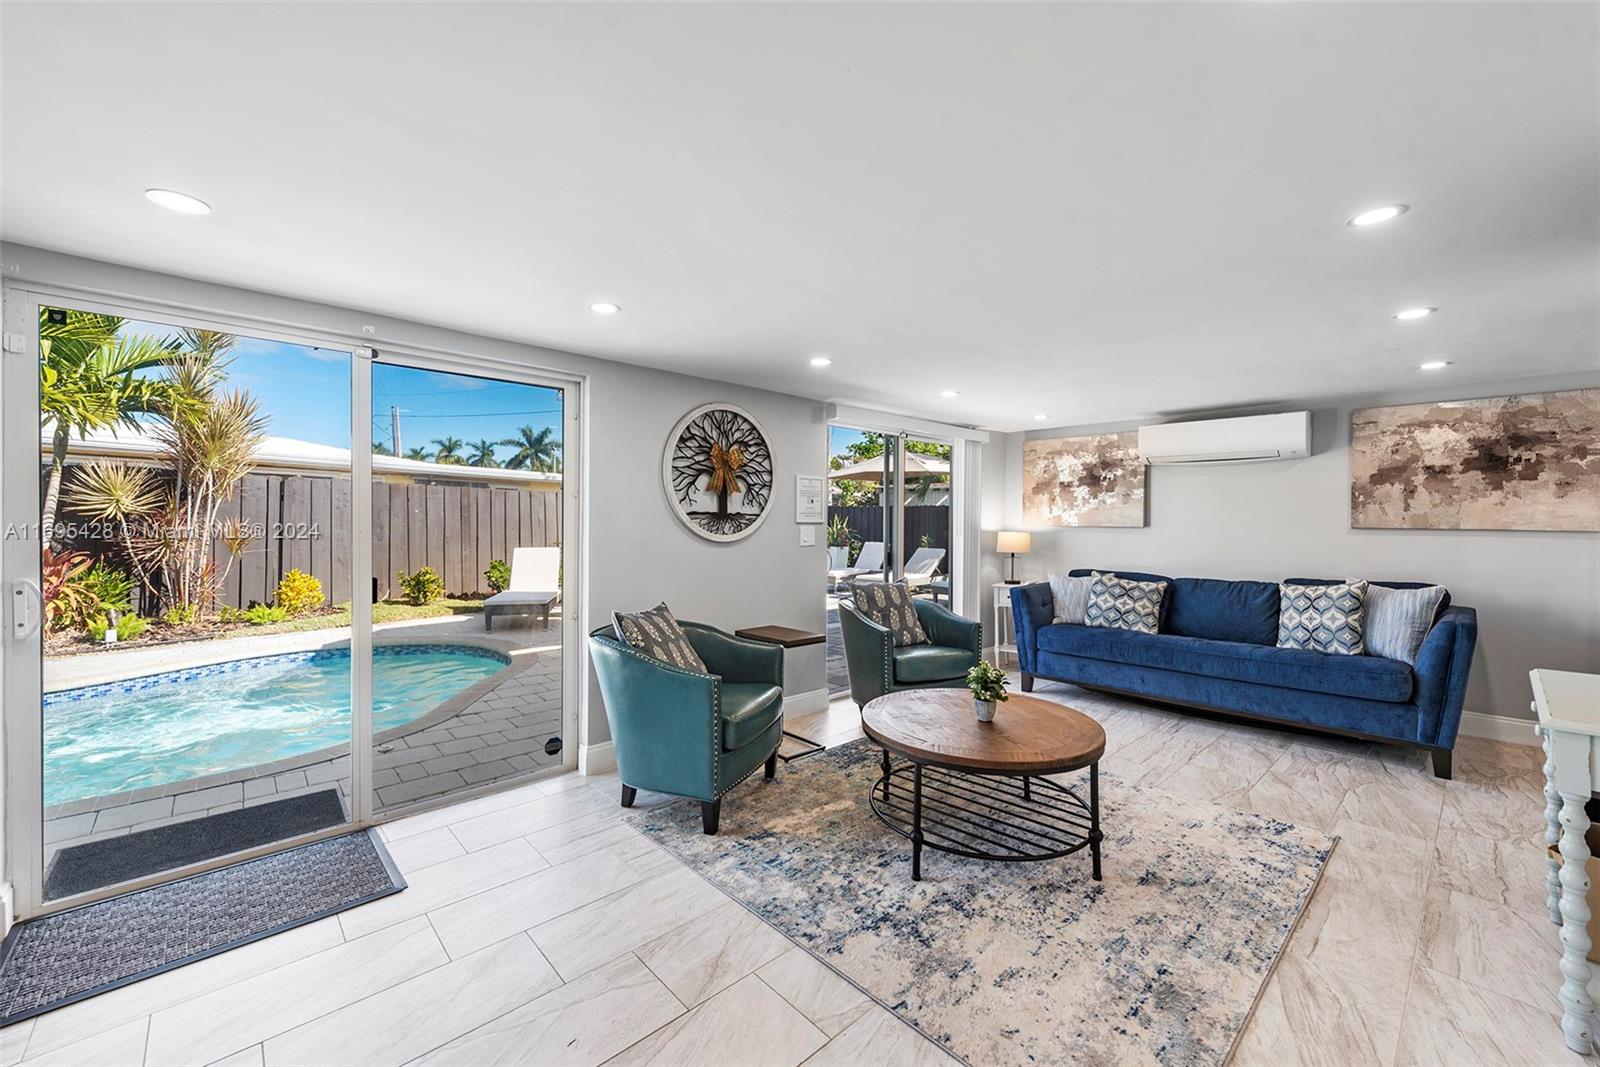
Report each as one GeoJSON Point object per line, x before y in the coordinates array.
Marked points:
{"type": "Point", "coordinates": [637, 553]}
{"type": "Point", "coordinates": [1537, 594]}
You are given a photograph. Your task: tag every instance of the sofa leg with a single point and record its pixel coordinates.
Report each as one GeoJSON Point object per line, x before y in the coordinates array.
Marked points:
{"type": "Point", "coordinates": [771, 770]}
{"type": "Point", "coordinates": [628, 793]}
{"type": "Point", "coordinates": [1441, 763]}
{"type": "Point", "coordinates": [710, 814]}
{"type": "Point", "coordinates": [1027, 682]}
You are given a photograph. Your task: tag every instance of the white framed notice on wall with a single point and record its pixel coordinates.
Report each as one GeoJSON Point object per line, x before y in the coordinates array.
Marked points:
{"type": "Point", "coordinates": [810, 498]}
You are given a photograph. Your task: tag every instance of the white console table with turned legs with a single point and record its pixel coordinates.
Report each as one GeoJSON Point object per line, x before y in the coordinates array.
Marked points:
{"type": "Point", "coordinates": [1568, 706]}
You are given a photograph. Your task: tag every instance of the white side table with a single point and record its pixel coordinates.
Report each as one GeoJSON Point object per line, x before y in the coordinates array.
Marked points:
{"type": "Point", "coordinates": [1002, 623]}
{"type": "Point", "coordinates": [1568, 706]}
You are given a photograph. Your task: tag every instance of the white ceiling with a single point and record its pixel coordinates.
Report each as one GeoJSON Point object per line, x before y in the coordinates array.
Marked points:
{"type": "Point", "coordinates": [1097, 212]}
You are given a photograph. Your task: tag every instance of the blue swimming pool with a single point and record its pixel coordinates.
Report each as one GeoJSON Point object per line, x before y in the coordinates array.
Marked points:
{"type": "Point", "coordinates": [172, 727]}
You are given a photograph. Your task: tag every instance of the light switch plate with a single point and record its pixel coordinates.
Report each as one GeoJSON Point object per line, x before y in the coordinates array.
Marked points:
{"type": "Point", "coordinates": [808, 536]}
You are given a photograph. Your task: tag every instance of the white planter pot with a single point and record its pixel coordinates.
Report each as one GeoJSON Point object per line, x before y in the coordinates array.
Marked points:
{"type": "Point", "coordinates": [984, 708]}
{"type": "Point", "coordinates": [838, 557]}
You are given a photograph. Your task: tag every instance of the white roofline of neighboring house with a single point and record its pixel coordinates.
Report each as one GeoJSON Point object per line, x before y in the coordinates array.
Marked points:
{"type": "Point", "coordinates": [304, 455]}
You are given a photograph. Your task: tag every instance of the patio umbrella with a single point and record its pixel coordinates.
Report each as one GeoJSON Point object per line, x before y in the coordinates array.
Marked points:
{"type": "Point", "coordinates": [871, 470]}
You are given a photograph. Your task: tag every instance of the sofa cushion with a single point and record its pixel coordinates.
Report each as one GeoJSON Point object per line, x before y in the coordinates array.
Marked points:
{"type": "Point", "coordinates": [1398, 620]}
{"type": "Point", "coordinates": [891, 606]}
{"type": "Point", "coordinates": [1223, 611]}
{"type": "Point", "coordinates": [914, 664]}
{"type": "Point", "coordinates": [1323, 618]}
{"type": "Point", "coordinates": [1070, 597]}
{"type": "Point", "coordinates": [1444, 604]}
{"type": "Point", "coordinates": [657, 634]}
{"type": "Point", "coordinates": [1123, 604]}
{"type": "Point", "coordinates": [1132, 576]}
{"type": "Point", "coordinates": [748, 709]}
{"type": "Point", "coordinates": [1367, 677]}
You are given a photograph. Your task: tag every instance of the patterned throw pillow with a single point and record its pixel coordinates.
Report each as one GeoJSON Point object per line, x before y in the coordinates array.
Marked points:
{"type": "Point", "coordinates": [889, 605]}
{"type": "Point", "coordinates": [1123, 604]}
{"type": "Point", "coordinates": [1071, 597]}
{"type": "Point", "coordinates": [657, 634]}
{"type": "Point", "coordinates": [1397, 620]}
{"type": "Point", "coordinates": [1322, 618]}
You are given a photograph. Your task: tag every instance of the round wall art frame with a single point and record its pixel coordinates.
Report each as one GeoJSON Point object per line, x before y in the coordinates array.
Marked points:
{"type": "Point", "coordinates": [717, 471]}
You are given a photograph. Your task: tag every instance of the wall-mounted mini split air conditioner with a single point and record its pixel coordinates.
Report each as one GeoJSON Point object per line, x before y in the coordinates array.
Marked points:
{"type": "Point", "coordinates": [1249, 438]}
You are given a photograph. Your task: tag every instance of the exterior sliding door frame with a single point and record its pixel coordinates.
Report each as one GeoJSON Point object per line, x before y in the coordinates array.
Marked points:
{"type": "Point", "coordinates": [21, 662]}
{"type": "Point", "coordinates": [20, 571]}
{"type": "Point", "coordinates": [572, 456]}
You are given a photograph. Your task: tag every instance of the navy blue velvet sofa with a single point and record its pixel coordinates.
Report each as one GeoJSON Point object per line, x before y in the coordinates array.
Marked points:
{"type": "Point", "coordinates": [1217, 650]}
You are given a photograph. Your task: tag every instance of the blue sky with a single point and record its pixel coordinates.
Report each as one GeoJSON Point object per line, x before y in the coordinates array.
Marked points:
{"type": "Point", "coordinates": [305, 392]}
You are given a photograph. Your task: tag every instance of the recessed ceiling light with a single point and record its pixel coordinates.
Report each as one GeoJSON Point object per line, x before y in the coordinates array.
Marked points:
{"type": "Point", "coordinates": [1040, 418]}
{"type": "Point", "coordinates": [1434, 364]}
{"type": "Point", "coordinates": [601, 307]}
{"type": "Point", "coordinates": [820, 361]}
{"type": "Point", "coordinates": [949, 394]}
{"type": "Point", "coordinates": [1414, 313]}
{"type": "Point", "coordinates": [182, 203]}
{"type": "Point", "coordinates": [1377, 215]}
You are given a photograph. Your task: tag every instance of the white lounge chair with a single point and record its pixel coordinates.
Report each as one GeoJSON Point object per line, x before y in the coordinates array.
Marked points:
{"type": "Point", "coordinates": [870, 560]}
{"type": "Point", "coordinates": [535, 585]}
{"type": "Point", "coordinates": [918, 570]}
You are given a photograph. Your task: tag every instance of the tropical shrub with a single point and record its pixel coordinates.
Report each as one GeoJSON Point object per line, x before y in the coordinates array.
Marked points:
{"type": "Point", "coordinates": [498, 575]}
{"type": "Point", "coordinates": [180, 615]}
{"type": "Point", "coordinates": [261, 614]}
{"type": "Point", "coordinates": [67, 599]}
{"type": "Point", "coordinates": [129, 627]}
{"type": "Point", "coordinates": [298, 593]}
{"type": "Point", "coordinates": [112, 586]}
{"type": "Point", "coordinates": [422, 587]}
{"type": "Point", "coordinates": [838, 532]}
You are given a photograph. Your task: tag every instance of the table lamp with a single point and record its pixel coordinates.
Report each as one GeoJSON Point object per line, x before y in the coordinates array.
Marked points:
{"type": "Point", "coordinates": [1012, 541]}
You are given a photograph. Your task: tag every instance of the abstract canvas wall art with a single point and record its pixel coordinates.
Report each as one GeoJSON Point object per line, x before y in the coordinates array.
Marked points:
{"type": "Point", "coordinates": [1529, 462]}
{"type": "Point", "coordinates": [1095, 480]}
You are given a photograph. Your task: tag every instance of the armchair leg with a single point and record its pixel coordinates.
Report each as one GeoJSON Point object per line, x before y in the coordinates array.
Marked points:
{"type": "Point", "coordinates": [710, 814]}
{"type": "Point", "coordinates": [1027, 682]}
{"type": "Point", "coordinates": [771, 770]}
{"type": "Point", "coordinates": [628, 793]}
{"type": "Point", "coordinates": [1441, 763]}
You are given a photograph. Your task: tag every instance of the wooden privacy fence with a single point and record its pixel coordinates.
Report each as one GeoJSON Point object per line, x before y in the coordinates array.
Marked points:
{"type": "Point", "coordinates": [304, 521]}
{"type": "Point", "coordinates": [921, 520]}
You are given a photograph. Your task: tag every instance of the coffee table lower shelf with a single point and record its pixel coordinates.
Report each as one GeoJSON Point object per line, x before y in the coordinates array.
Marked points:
{"type": "Point", "coordinates": [987, 816]}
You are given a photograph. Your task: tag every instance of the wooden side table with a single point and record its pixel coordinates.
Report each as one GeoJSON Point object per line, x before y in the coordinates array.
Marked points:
{"type": "Point", "coordinates": [787, 637]}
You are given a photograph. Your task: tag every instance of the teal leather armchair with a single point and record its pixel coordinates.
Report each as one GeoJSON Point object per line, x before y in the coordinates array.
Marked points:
{"type": "Point", "coordinates": [686, 733]}
{"type": "Point", "coordinates": [877, 667]}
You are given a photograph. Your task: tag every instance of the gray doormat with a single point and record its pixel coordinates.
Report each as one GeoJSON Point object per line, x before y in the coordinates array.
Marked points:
{"type": "Point", "coordinates": [56, 960]}
{"type": "Point", "coordinates": [81, 868]}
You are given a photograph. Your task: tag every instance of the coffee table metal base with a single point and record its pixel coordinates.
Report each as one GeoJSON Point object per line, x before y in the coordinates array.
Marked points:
{"type": "Point", "coordinates": [997, 817]}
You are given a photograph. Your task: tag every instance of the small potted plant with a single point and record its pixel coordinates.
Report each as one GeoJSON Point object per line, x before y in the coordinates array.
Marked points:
{"type": "Point", "coordinates": [838, 543]}
{"type": "Point", "coordinates": [988, 685]}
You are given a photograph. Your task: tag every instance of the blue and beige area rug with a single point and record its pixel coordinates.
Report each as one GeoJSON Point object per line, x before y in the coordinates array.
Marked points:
{"type": "Point", "coordinates": [1023, 963]}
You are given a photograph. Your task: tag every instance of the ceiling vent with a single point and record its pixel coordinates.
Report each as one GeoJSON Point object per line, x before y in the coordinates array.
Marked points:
{"type": "Point", "coordinates": [1250, 438]}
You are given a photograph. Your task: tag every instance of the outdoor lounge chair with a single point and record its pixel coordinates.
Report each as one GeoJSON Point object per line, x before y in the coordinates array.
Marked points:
{"type": "Point", "coordinates": [535, 585]}
{"type": "Point", "coordinates": [868, 562]}
{"type": "Point", "coordinates": [919, 568]}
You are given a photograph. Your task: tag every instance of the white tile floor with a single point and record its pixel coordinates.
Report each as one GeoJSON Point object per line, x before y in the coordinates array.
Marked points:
{"type": "Point", "coordinates": [539, 929]}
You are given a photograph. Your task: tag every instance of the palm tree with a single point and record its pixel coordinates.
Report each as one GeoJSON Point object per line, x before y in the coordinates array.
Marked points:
{"type": "Point", "coordinates": [380, 449]}
{"type": "Point", "coordinates": [536, 450]}
{"type": "Point", "coordinates": [447, 449]}
{"type": "Point", "coordinates": [89, 379]}
{"type": "Point", "coordinates": [482, 454]}
{"type": "Point", "coordinates": [418, 454]}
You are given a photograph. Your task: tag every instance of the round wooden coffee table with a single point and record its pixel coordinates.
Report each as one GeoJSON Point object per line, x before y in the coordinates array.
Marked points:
{"type": "Point", "coordinates": [977, 789]}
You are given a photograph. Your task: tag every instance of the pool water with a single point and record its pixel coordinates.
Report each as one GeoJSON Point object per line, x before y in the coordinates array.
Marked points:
{"type": "Point", "coordinates": [172, 727]}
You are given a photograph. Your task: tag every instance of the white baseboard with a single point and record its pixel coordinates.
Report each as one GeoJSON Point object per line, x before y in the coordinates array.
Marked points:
{"type": "Point", "coordinates": [805, 703]}
{"type": "Point", "coordinates": [597, 759]}
{"type": "Point", "coordinates": [1498, 728]}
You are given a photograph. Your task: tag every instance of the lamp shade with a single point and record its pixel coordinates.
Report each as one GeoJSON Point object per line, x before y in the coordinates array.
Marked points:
{"type": "Point", "coordinates": [1011, 541]}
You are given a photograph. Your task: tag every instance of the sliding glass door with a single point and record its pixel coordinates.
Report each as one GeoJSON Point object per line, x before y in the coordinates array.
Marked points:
{"type": "Point", "coordinates": [262, 588]}
{"type": "Point", "coordinates": [467, 531]}
{"type": "Point", "coordinates": [927, 559]}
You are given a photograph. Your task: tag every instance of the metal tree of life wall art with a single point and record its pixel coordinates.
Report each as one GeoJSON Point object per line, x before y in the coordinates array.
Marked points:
{"type": "Point", "coordinates": [717, 472]}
